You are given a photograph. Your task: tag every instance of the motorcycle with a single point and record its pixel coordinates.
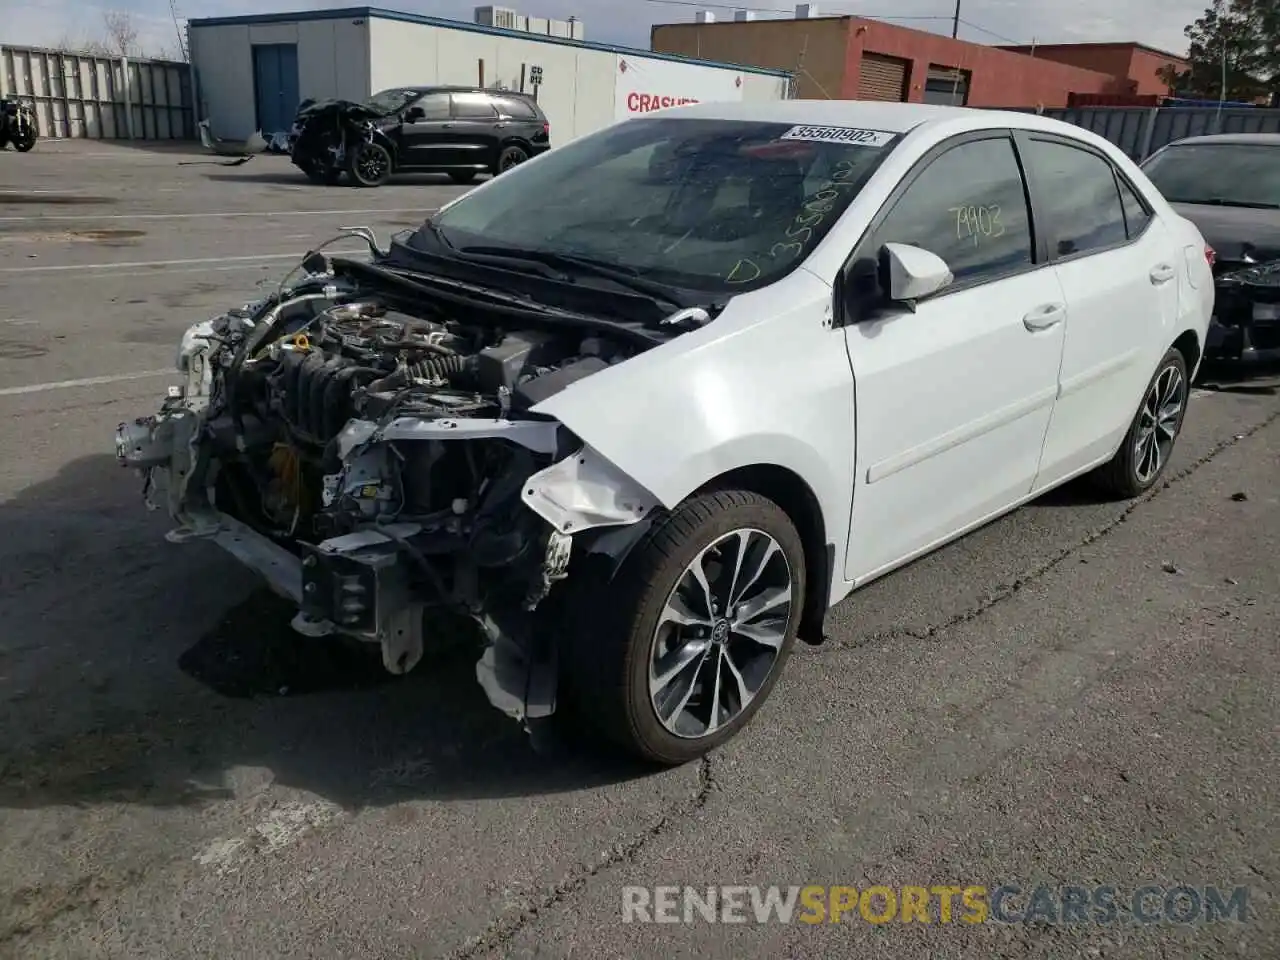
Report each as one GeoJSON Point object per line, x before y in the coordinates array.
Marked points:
{"type": "Point", "coordinates": [17, 125]}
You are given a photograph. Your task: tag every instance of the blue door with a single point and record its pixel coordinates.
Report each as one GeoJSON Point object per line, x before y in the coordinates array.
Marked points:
{"type": "Point", "coordinates": [275, 86]}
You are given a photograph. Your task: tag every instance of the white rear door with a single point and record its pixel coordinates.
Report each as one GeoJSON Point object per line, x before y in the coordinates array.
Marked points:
{"type": "Point", "coordinates": [1119, 269]}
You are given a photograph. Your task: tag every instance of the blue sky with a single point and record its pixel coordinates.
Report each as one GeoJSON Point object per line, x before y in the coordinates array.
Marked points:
{"type": "Point", "coordinates": [1156, 22]}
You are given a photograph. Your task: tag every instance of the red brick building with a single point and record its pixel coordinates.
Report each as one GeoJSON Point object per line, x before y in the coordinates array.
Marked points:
{"type": "Point", "coordinates": [845, 57]}
{"type": "Point", "coordinates": [1139, 64]}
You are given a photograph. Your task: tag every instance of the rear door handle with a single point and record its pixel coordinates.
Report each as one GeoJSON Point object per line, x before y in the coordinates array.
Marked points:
{"type": "Point", "coordinates": [1162, 273]}
{"type": "Point", "coordinates": [1045, 317]}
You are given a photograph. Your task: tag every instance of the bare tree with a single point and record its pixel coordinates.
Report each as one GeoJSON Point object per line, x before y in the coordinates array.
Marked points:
{"type": "Point", "coordinates": [121, 34]}
{"type": "Point", "coordinates": [89, 48]}
{"type": "Point", "coordinates": [119, 39]}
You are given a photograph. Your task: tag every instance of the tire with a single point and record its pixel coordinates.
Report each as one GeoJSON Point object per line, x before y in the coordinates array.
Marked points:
{"type": "Point", "coordinates": [1144, 453]}
{"type": "Point", "coordinates": [462, 176]}
{"type": "Point", "coordinates": [23, 144]}
{"type": "Point", "coordinates": [620, 633]}
{"type": "Point", "coordinates": [369, 165]}
{"type": "Point", "coordinates": [512, 155]}
{"type": "Point", "coordinates": [317, 174]}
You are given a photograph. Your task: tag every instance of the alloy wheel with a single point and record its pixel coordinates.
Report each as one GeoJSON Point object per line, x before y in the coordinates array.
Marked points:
{"type": "Point", "coordinates": [720, 633]}
{"type": "Point", "coordinates": [510, 159]}
{"type": "Point", "coordinates": [1158, 423]}
{"type": "Point", "coordinates": [372, 164]}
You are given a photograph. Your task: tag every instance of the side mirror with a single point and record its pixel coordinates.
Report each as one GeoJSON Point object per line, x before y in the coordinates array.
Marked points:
{"type": "Point", "coordinates": [910, 273]}
{"type": "Point", "coordinates": [414, 114]}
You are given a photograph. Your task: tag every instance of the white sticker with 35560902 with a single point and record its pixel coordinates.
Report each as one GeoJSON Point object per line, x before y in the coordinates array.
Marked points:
{"type": "Point", "coordinates": [851, 135]}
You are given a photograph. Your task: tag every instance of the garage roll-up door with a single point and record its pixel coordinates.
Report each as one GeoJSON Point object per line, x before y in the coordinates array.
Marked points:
{"type": "Point", "coordinates": [947, 86]}
{"type": "Point", "coordinates": [882, 78]}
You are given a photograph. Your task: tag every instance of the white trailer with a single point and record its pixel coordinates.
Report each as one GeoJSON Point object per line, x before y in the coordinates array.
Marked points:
{"type": "Point", "coordinates": [252, 71]}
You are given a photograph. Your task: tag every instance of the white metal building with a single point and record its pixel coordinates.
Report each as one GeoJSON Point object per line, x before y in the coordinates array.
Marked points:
{"type": "Point", "coordinates": [252, 71]}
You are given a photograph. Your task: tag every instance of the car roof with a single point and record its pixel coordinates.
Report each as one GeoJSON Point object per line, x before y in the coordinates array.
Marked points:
{"type": "Point", "coordinates": [1256, 139]}
{"type": "Point", "coordinates": [888, 116]}
{"type": "Point", "coordinates": [457, 89]}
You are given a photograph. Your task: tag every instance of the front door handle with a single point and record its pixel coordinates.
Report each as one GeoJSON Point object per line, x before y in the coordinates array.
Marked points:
{"type": "Point", "coordinates": [1162, 273]}
{"type": "Point", "coordinates": [1045, 317]}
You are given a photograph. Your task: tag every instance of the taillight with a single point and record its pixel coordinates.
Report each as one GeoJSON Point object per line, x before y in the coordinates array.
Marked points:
{"type": "Point", "coordinates": [1210, 255]}
{"type": "Point", "coordinates": [546, 129]}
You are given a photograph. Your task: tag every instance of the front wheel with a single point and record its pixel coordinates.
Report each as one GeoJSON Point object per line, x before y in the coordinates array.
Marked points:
{"type": "Point", "coordinates": [676, 654]}
{"type": "Point", "coordinates": [24, 140]}
{"type": "Point", "coordinates": [323, 175]}
{"type": "Point", "coordinates": [369, 165]}
{"type": "Point", "coordinates": [1145, 451]}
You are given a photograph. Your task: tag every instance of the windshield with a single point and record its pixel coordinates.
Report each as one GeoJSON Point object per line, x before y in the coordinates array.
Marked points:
{"type": "Point", "coordinates": [389, 101]}
{"type": "Point", "coordinates": [1234, 174]}
{"type": "Point", "coordinates": [700, 204]}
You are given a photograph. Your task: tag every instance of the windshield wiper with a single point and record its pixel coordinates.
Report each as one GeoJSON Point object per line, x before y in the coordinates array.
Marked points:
{"type": "Point", "coordinates": [622, 276]}
{"type": "Point", "coordinates": [1223, 202]}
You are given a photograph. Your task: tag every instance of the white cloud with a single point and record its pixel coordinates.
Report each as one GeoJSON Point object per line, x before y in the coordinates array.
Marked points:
{"type": "Point", "coordinates": [1155, 22]}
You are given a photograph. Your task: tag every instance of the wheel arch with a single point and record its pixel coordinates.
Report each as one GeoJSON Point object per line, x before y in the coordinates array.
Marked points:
{"type": "Point", "coordinates": [522, 142]}
{"type": "Point", "coordinates": [1188, 344]}
{"type": "Point", "coordinates": [388, 142]}
{"type": "Point", "coordinates": [789, 491]}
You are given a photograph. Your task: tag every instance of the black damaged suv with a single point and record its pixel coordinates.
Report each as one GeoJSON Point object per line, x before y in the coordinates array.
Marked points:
{"type": "Point", "coordinates": [461, 131]}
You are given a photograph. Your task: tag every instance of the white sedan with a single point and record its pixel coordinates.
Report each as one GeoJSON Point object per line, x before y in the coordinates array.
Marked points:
{"type": "Point", "coordinates": [647, 406]}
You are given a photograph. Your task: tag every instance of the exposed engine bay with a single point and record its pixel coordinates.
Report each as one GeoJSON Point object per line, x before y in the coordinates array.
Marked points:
{"type": "Point", "coordinates": [377, 457]}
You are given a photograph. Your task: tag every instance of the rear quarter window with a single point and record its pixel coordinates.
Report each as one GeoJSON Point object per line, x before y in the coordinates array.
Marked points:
{"type": "Point", "coordinates": [516, 108]}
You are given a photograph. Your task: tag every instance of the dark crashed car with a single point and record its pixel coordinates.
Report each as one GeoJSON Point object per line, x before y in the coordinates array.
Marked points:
{"type": "Point", "coordinates": [1228, 185]}
{"type": "Point", "coordinates": [461, 131]}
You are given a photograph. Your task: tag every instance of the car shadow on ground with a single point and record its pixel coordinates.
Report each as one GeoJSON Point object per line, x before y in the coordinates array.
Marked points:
{"type": "Point", "coordinates": [294, 177]}
{"type": "Point", "coordinates": [136, 671]}
{"type": "Point", "coordinates": [1257, 379]}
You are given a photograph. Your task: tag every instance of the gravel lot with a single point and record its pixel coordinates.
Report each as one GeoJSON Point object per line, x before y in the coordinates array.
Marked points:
{"type": "Point", "coordinates": [1081, 693]}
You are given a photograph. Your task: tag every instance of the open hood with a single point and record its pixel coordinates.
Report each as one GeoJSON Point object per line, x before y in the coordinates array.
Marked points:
{"type": "Point", "coordinates": [352, 109]}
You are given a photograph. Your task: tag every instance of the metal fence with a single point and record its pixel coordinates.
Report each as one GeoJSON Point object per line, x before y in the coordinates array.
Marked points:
{"type": "Point", "coordinates": [1141, 131]}
{"type": "Point", "coordinates": [100, 98]}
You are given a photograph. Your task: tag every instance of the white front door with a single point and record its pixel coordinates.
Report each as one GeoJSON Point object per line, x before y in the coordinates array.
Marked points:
{"type": "Point", "coordinates": [953, 399]}
{"type": "Point", "coordinates": [1119, 270]}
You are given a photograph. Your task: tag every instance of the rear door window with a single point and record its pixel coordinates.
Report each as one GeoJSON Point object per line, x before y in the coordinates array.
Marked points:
{"type": "Point", "coordinates": [473, 106]}
{"type": "Point", "coordinates": [1077, 189]}
{"type": "Point", "coordinates": [516, 108]}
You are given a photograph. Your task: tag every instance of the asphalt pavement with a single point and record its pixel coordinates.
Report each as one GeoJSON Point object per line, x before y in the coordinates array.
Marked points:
{"type": "Point", "coordinates": [1080, 694]}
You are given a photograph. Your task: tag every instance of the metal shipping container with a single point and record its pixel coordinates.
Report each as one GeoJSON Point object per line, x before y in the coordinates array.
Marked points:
{"type": "Point", "coordinates": [1141, 131]}
{"type": "Point", "coordinates": [85, 96]}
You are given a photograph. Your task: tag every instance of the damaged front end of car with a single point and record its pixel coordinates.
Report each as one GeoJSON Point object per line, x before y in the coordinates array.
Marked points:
{"type": "Point", "coordinates": [325, 132]}
{"type": "Point", "coordinates": [1247, 313]}
{"type": "Point", "coordinates": [372, 448]}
